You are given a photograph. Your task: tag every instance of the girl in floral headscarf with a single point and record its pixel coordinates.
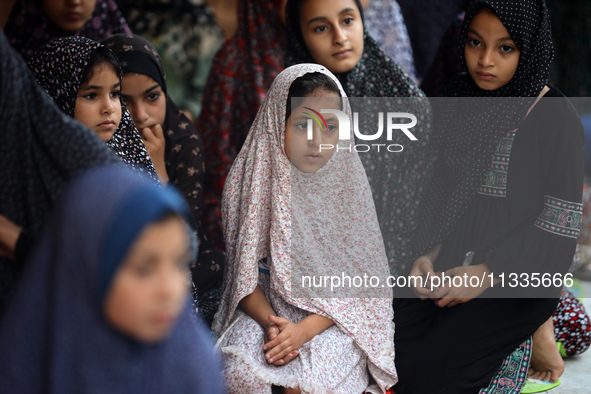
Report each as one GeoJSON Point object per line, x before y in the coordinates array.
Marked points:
{"type": "Point", "coordinates": [291, 211]}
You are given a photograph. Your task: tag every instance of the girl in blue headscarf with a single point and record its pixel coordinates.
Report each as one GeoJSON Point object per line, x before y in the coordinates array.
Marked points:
{"type": "Point", "coordinates": [103, 305]}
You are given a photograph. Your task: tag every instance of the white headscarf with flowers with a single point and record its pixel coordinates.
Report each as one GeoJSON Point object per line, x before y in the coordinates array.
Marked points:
{"type": "Point", "coordinates": [321, 223]}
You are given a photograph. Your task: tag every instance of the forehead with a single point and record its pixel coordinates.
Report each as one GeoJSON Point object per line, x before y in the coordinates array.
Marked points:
{"type": "Point", "coordinates": [486, 22]}
{"type": "Point", "coordinates": [138, 81]}
{"type": "Point", "coordinates": [103, 72]}
{"type": "Point", "coordinates": [326, 8]}
{"type": "Point", "coordinates": [320, 100]}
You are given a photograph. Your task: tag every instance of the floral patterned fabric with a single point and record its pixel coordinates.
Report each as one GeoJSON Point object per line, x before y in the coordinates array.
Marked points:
{"type": "Point", "coordinates": [29, 28]}
{"type": "Point", "coordinates": [305, 223]}
{"type": "Point", "coordinates": [513, 372]}
{"type": "Point", "coordinates": [57, 67]}
{"type": "Point", "coordinates": [187, 37]}
{"type": "Point", "coordinates": [184, 153]}
{"type": "Point", "coordinates": [242, 71]}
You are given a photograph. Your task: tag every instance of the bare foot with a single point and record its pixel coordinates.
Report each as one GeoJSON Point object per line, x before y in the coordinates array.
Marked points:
{"type": "Point", "coordinates": [287, 390]}
{"type": "Point", "coordinates": [546, 361]}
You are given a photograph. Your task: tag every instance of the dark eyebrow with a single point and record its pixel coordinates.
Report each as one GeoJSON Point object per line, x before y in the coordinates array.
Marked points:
{"type": "Point", "coordinates": [320, 18]}
{"type": "Point", "coordinates": [152, 88]}
{"type": "Point", "coordinates": [90, 87]}
{"type": "Point", "coordinates": [499, 40]}
{"type": "Point", "coordinates": [95, 87]}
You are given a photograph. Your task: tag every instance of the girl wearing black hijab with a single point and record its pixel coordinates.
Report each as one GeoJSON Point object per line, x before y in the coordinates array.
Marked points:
{"type": "Point", "coordinates": [504, 204]}
{"type": "Point", "coordinates": [175, 146]}
{"type": "Point", "coordinates": [333, 34]}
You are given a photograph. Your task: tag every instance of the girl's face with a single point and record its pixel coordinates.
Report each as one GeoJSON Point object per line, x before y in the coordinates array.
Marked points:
{"type": "Point", "coordinates": [69, 15]}
{"type": "Point", "coordinates": [491, 55]}
{"type": "Point", "coordinates": [98, 104]}
{"type": "Point", "coordinates": [333, 32]}
{"type": "Point", "coordinates": [144, 99]}
{"type": "Point", "coordinates": [306, 154]}
{"type": "Point", "coordinates": [150, 288]}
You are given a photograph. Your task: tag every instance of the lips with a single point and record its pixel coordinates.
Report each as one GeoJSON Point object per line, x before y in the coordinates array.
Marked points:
{"type": "Point", "coordinates": [164, 319]}
{"type": "Point", "coordinates": [73, 16]}
{"type": "Point", "coordinates": [109, 124]}
{"type": "Point", "coordinates": [342, 54]}
{"type": "Point", "coordinates": [485, 76]}
{"type": "Point", "coordinates": [313, 157]}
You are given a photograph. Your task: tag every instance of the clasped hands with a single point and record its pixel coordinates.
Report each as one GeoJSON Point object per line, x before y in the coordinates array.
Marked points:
{"type": "Point", "coordinates": [283, 339]}
{"type": "Point", "coordinates": [449, 292]}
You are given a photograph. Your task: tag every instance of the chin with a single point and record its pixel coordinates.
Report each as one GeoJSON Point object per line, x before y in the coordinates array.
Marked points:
{"type": "Point", "coordinates": [342, 68]}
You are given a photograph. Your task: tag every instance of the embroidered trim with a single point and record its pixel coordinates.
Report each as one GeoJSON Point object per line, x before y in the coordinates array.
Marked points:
{"type": "Point", "coordinates": [495, 184]}
{"type": "Point", "coordinates": [512, 375]}
{"type": "Point", "coordinates": [560, 217]}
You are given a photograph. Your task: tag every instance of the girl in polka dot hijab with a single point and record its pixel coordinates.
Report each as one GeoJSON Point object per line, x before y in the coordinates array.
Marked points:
{"type": "Point", "coordinates": [69, 69]}
{"type": "Point", "coordinates": [504, 202]}
{"type": "Point", "coordinates": [469, 130]}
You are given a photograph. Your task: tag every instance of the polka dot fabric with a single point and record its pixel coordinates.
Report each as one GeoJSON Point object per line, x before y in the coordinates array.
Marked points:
{"type": "Point", "coordinates": [470, 129]}
{"type": "Point", "coordinates": [528, 23]}
{"type": "Point", "coordinates": [41, 151]}
{"type": "Point", "coordinates": [571, 324]}
{"type": "Point", "coordinates": [397, 180]}
{"type": "Point", "coordinates": [58, 67]}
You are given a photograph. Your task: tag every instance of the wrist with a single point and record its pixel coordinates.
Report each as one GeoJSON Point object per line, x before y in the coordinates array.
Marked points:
{"type": "Point", "coordinates": [306, 330]}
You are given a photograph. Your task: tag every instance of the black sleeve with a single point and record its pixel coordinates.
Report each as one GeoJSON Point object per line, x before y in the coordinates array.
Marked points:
{"type": "Point", "coordinates": [546, 244]}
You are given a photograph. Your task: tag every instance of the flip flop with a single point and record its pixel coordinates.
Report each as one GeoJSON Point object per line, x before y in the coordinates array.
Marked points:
{"type": "Point", "coordinates": [537, 386]}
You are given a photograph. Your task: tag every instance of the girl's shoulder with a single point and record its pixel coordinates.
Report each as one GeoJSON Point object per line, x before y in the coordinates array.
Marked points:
{"type": "Point", "coordinates": [555, 116]}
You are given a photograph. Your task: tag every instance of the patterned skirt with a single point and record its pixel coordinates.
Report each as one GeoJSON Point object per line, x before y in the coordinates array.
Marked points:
{"type": "Point", "coordinates": [330, 363]}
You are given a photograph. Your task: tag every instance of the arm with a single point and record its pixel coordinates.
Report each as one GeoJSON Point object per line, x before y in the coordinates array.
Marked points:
{"type": "Point", "coordinates": [154, 140]}
{"type": "Point", "coordinates": [546, 244]}
{"type": "Point", "coordinates": [9, 237]}
{"type": "Point", "coordinates": [256, 306]}
{"type": "Point", "coordinates": [542, 245]}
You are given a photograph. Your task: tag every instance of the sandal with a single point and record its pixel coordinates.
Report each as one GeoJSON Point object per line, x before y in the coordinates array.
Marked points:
{"type": "Point", "coordinates": [537, 386]}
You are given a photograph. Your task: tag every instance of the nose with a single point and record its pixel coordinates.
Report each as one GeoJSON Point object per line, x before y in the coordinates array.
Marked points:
{"type": "Point", "coordinates": [108, 106]}
{"type": "Point", "coordinates": [139, 114]}
{"type": "Point", "coordinates": [173, 284]}
{"type": "Point", "coordinates": [339, 35]}
{"type": "Point", "coordinates": [316, 137]}
{"type": "Point", "coordinates": [487, 58]}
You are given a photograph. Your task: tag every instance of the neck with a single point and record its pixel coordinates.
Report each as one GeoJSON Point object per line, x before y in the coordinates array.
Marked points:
{"type": "Point", "coordinates": [226, 15]}
{"type": "Point", "coordinates": [6, 7]}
